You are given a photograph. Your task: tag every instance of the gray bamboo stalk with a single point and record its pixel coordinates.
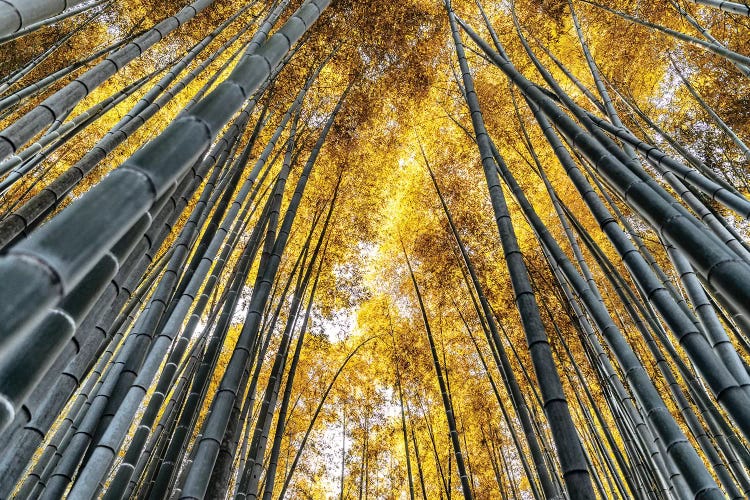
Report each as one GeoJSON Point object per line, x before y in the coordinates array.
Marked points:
{"type": "Point", "coordinates": [115, 299]}
{"type": "Point", "coordinates": [501, 357]}
{"type": "Point", "coordinates": [158, 486]}
{"type": "Point", "coordinates": [728, 274]}
{"type": "Point", "coordinates": [222, 472]}
{"type": "Point", "coordinates": [645, 443]}
{"type": "Point", "coordinates": [58, 343]}
{"type": "Point", "coordinates": [119, 200]}
{"type": "Point", "coordinates": [26, 160]}
{"type": "Point", "coordinates": [98, 464]}
{"type": "Point", "coordinates": [8, 102]}
{"type": "Point", "coordinates": [582, 265]}
{"type": "Point", "coordinates": [420, 471]}
{"type": "Point", "coordinates": [20, 220]}
{"type": "Point", "coordinates": [161, 433]}
{"type": "Point", "coordinates": [125, 367]}
{"type": "Point", "coordinates": [715, 331]}
{"type": "Point", "coordinates": [171, 408]}
{"type": "Point", "coordinates": [711, 113]}
{"type": "Point", "coordinates": [270, 225]}
{"type": "Point", "coordinates": [435, 454]}
{"type": "Point", "coordinates": [247, 417]}
{"type": "Point", "coordinates": [230, 443]}
{"type": "Point", "coordinates": [242, 415]}
{"type": "Point", "coordinates": [18, 373]}
{"type": "Point", "coordinates": [500, 401]}
{"type": "Point", "coordinates": [447, 406]}
{"type": "Point", "coordinates": [164, 291]}
{"type": "Point", "coordinates": [627, 249]}
{"type": "Point", "coordinates": [185, 61]}
{"type": "Point", "coordinates": [214, 222]}
{"type": "Point", "coordinates": [10, 80]}
{"type": "Point", "coordinates": [499, 477]}
{"type": "Point", "coordinates": [207, 449]}
{"type": "Point", "coordinates": [705, 32]}
{"type": "Point", "coordinates": [52, 20]}
{"type": "Point", "coordinates": [683, 454]}
{"type": "Point", "coordinates": [565, 159]}
{"type": "Point", "coordinates": [74, 418]}
{"type": "Point", "coordinates": [260, 433]}
{"type": "Point", "coordinates": [730, 198]}
{"type": "Point", "coordinates": [731, 7]}
{"type": "Point", "coordinates": [724, 179]}
{"type": "Point", "coordinates": [690, 175]}
{"type": "Point", "coordinates": [716, 223]}
{"type": "Point", "coordinates": [260, 429]}
{"type": "Point", "coordinates": [21, 440]}
{"type": "Point", "coordinates": [678, 396]}
{"type": "Point", "coordinates": [271, 470]}
{"type": "Point", "coordinates": [606, 99]}
{"type": "Point", "coordinates": [150, 325]}
{"type": "Point", "coordinates": [711, 47]}
{"type": "Point", "coordinates": [621, 393]}
{"type": "Point", "coordinates": [626, 470]}
{"type": "Point", "coordinates": [694, 425]}
{"type": "Point", "coordinates": [404, 436]}
{"type": "Point", "coordinates": [722, 432]}
{"type": "Point", "coordinates": [585, 271]}
{"type": "Point", "coordinates": [316, 413]}
{"type": "Point", "coordinates": [20, 459]}
{"type": "Point", "coordinates": [105, 452]}
{"type": "Point", "coordinates": [18, 14]}
{"type": "Point", "coordinates": [573, 463]}
{"type": "Point", "coordinates": [161, 481]}
{"type": "Point", "coordinates": [80, 365]}
{"type": "Point", "coordinates": [65, 99]}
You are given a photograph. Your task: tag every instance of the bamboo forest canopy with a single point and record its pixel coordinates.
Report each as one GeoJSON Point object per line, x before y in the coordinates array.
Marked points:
{"type": "Point", "coordinates": [421, 249]}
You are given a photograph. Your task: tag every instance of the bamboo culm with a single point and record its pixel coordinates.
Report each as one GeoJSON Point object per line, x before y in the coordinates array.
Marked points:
{"type": "Point", "coordinates": [65, 99]}
{"type": "Point", "coordinates": [573, 463]}
{"type": "Point", "coordinates": [60, 263]}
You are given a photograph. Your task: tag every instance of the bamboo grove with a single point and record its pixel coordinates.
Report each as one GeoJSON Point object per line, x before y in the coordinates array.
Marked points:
{"type": "Point", "coordinates": [338, 249]}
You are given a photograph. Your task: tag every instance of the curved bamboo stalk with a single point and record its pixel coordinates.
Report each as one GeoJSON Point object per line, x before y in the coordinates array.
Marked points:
{"type": "Point", "coordinates": [311, 425]}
